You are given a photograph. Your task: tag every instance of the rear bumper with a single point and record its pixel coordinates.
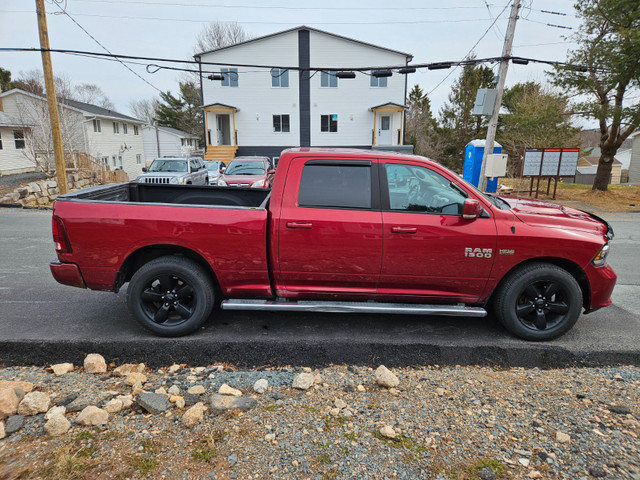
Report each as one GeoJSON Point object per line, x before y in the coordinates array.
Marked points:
{"type": "Point", "coordinates": [67, 274]}
{"type": "Point", "coordinates": [602, 280]}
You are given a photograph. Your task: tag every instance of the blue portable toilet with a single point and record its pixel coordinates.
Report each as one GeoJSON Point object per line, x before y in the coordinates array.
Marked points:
{"type": "Point", "coordinates": [473, 163]}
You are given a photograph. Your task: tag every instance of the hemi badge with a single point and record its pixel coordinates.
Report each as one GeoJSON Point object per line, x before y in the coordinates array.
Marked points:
{"type": "Point", "coordinates": [505, 251]}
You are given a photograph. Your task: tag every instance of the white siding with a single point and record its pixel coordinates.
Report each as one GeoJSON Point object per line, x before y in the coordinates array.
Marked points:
{"type": "Point", "coordinates": [168, 142]}
{"type": "Point", "coordinates": [109, 144]}
{"type": "Point", "coordinates": [12, 160]}
{"type": "Point", "coordinates": [634, 165]}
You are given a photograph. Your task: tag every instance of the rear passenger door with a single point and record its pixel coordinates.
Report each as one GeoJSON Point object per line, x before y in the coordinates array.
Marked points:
{"type": "Point", "coordinates": [330, 228]}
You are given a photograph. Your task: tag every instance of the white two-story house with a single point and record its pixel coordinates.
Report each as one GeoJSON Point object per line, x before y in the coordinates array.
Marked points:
{"type": "Point", "coordinates": [261, 111]}
{"type": "Point", "coordinates": [106, 136]}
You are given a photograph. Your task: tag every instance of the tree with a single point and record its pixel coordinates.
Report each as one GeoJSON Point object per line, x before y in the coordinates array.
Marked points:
{"type": "Point", "coordinates": [91, 93]}
{"type": "Point", "coordinates": [420, 124]}
{"type": "Point", "coordinates": [182, 112]}
{"type": "Point", "coordinates": [144, 109]}
{"type": "Point", "coordinates": [5, 80]}
{"type": "Point", "coordinates": [457, 125]}
{"type": "Point", "coordinates": [219, 34]}
{"type": "Point", "coordinates": [604, 69]}
{"type": "Point", "coordinates": [536, 117]}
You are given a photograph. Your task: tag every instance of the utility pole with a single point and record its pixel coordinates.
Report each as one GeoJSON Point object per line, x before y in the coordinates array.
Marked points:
{"type": "Point", "coordinates": [502, 75]}
{"type": "Point", "coordinates": [54, 118]}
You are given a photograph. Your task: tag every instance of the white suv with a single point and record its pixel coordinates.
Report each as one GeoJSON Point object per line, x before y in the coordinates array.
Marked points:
{"type": "Point", "coordinates": [176, 171]}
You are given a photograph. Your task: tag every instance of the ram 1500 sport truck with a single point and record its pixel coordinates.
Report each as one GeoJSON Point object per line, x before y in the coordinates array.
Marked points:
{"type": "Point", "coordinates": [340, 231]}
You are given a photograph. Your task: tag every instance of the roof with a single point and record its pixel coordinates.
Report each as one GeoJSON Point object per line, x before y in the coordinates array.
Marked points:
{"type": "Point", "coordinates": [171, 130]}
{"type": "Point", "coordinates": [596, 160]}
{"type": "Point", "coordinates": [9, 121]}
{"type": "Point", "coordinates": [482, 142]}
{"type": "Point", "coordinates": [79, 106]}
{"type": "Point", "coordinates": [389, 104]}
{"type": "Point", "coordinates": [311, 29]}
{"type": "Point", "coordinates": [223, 105]}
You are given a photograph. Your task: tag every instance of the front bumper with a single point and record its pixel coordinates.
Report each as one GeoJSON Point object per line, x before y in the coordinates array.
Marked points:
{"type": "Point", "coordinates": [67, 274]}
{"type": "Point", "coordinates": [601, 280]}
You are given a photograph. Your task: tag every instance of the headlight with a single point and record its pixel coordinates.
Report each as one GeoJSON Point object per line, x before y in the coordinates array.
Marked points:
{"type": "Point", "coordinates": [173, 180]}
{"type": "Point", "coordinates": [601, 257]}
{"type": "Point", "coordinates": [259, 183]}
{"type": "Point", "coordinates": [222, 183]}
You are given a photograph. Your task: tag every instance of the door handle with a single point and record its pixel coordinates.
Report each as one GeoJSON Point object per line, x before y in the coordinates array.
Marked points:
{"type": "Point", "coordinates": [300, 225]}
{"type": "Point", "coordinates": [404, 229]}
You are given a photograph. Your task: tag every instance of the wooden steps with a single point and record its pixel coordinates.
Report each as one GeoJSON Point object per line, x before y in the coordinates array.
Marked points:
{"type": "Point", "coordinates": [224, 153]}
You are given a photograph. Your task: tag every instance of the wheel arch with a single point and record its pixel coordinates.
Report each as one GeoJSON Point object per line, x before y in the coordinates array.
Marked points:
{"type": "Point", "coordinates": [573, 268]}
{"type": "Point", "coordinates": [144, 255]}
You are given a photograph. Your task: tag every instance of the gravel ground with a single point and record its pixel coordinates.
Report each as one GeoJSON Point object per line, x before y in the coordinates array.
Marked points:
{"type": "Point", "coordinates": [450, 423]}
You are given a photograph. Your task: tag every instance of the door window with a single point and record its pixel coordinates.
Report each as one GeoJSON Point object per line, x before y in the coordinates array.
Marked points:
{"type": "Point", "coordinates": [335, 186]}
{"type": "Point", "coordinates": [419, 189]}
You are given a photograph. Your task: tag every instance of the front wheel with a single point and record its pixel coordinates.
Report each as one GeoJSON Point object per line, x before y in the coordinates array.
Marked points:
{"type": "Point", "coordinates": [171, 296]}
{"type": "Point", "coordinates": [538, 301]}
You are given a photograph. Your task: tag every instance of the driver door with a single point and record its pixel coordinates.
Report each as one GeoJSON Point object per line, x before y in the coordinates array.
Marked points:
{"type": "Point", "coordinates": [426, 241]}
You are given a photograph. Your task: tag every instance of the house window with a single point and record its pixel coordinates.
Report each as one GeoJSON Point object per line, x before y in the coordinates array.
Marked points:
{"type": "Point", "coordinates": [0, 140]}
{"type": "Point", "coordinates": [329, 123]}
{"type": "Point", "coordinates": [116, 127]}
{"type": "Point", "coordinates": [380, 82]}
{"type": "Point", "coordinates": [135, 130]}
{"type": "Point", "coordinates": [279, 77]}
{"type": "Point", "coordinates": [18, 139]}
{"type": "Point", "coordinates": [120, 162]}
{"type": "Point", "coordinates": [328, 79]}
{"type": "Point", "coordinates": [125, 128]}
{"type": "Point", "coordinates": [97, 128]}
{"type": "Point", "coordinates": [138, 158]}
{"type": "Point", "coordinates": [229, 77]}
{"type": "Point", "coordinates": [281, 123]}
{"type": "Point", "coordinates": [105, 160]}
{"type": "Point", "coordinates": [113, 159]}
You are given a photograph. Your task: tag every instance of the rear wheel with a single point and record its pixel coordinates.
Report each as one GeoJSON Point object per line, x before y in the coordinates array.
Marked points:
{"type": "Point", "coordinates": [538, 301]}
{"type": "Point", "coordinates": [171, 296]}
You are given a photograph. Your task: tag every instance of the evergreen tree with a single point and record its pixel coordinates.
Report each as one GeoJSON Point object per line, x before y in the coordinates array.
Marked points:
{"type": "Point", "coordinates": [420, 124]}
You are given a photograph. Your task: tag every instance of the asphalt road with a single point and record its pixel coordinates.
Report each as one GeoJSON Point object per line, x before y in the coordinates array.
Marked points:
{"type": "Point", "coordinates": [43, 322]}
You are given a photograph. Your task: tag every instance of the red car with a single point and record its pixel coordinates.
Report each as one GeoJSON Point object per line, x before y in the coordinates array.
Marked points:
{"type": "Point", "coordinates": [340, 230]}
{"type": "Point", "coordinates": [253, 172]}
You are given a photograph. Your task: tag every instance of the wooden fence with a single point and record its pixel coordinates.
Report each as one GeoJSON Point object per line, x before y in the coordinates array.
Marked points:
{"type": "Point", "coordinates": [81, 161]}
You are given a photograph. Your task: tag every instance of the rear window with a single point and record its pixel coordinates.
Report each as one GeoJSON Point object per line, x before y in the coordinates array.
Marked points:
{"type": "Point", "coordinates": [335, 186]}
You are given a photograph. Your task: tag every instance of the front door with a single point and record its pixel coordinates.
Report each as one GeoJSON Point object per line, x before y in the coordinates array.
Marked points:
{"type": "Point", "coordinates": [384, 130]}
{"type": "Point", "coordinates": [223, 130]}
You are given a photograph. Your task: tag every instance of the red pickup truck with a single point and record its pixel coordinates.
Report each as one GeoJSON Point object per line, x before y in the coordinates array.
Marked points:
{"type": "Point", "coordinates": [340, 231]}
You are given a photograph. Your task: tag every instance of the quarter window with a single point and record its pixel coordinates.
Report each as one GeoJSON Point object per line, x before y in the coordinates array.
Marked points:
{"type": "Point", "coordinates": [97, 128]}
{"type": "Point", "coordinates": [18, 139]}
{"type": "Point", "coordinates": [329, 123]}
{"type": "Point", "coordinates": [229, 77]}
{"type": "Point", "coordinates": [419, 189]}
{"type": "Point", "coordinates": [335, 186]}
{"type": "Point", "coordinates": [279, 77]}
{"type": "Point", "coordinates": [328, 80]}
{"type": "Point", "coordinates": [281, 123]}
{"type": "Point", "coordinates": [380, 82]}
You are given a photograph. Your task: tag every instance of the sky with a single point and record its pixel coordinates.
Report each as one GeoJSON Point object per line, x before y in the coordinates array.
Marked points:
{"type": "Point", "coordinates": [432, 31]}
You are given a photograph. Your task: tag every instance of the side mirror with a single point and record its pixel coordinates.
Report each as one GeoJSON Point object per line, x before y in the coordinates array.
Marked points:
{"type": "Point", "coordinates": [144, 169]}
{"type": "Point", "coordinates": [271, 172]}
{"type": "Point", "coordinates": [222, 169]}
{"type": "Point", "coordinates": [471, 209]}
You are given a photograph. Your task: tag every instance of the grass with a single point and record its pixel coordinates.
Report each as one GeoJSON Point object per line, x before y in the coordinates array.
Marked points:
{"type": "Point", "coordinates": [331, 422]}
{"type": "Point", "coordinates": [351, 436]}
{"type": "Point", "coordinates": [204, 454]}
{"type": "Point", "coordinates": [84, 435]}
{"type": "Point", "coordinates": [66, 464]}
{"type": "Point", "coordinates": [141, 464]}
{"type": "Point", "coordinates": [401, 441]}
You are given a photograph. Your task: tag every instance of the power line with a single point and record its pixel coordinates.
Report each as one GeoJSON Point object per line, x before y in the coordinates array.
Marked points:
{"type": "Point", "coordinates": [63, 11]}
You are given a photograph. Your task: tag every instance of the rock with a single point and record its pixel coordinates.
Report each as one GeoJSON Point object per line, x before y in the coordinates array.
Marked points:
{"type": "Point", "coordinates": [261, 386]}
{"type": "Point", "coordinates": [127, 368]}
{"type": "Point", "coordinates": [2, 431]}
{"type": "Point", "coordinates": [222, 403]}
{"type": "Point", "coordinates": [174, 368]}
{"type": "Point", "coordinates": [113, 406]}
{"type": "Point", "coordinates": [597, 472]}
{"type": "Point", "coordinates": [334, 412]}
{"type": "Point", "coordinates": [388, 432]}
{"type": "Point", "coordinates": [562, 437]}
{"type": "Point", "coordinates": [127, 400]}
{"type": "Point", "coordinates": [394, 391]}
{"type": "Point", "coordinates": [79, 404]}
{"type": "Point", "coordinates": [13, 424]}
{"type": "Point", "coordinates": [385, 377]}
{"type": "Point", "coordinates": [154, 402]}
{"type": "Point", "coordinates": [191, 398]}
{"type": "Point", "coordinates": [174, 390]}
{"type": "Point", "coordinates": [339, 403]}
{"type": "Point", "coordinates": [8, 402]}
{"type": "Point", "coordinates": [34, 403]}
{"type": "Point", "coordinates": [440, 392]}
{"type": "Point", "coordinates": [270, 437]}
{"type": "Point", "coordinates": [619, 409]}
{"type": "Point", "coordinates": [55, 411]}
{"type": "Point", "coordinates": [486, 474]}
{"type": "Point", "coordinates": [524, 462]}
{"type": "Point", "coordinates": [94, 363]}
{"type": "Point", "coordinates": [135, 377]}
{"type": "Point", "coordinates": [57, 425]}
{"type": "Point", "coordinates": [535, 474]}
{"type": "Point", "coordinates": [303, 381]}
{"type": "Point", "coordinates": [26, 387]}
{"type": "Point", "coordinates": [361, 388]}
{"type": "Point", "coordinates": [194, 415]}
{"type": "Point", "coordinates": [92, 416]}
{"type": "Point", "coordinates": [227, 390]}
{"type": "Point", "coordinates": [161, 390]}
{"type": "Point", "coordinates": [197, 389]}
{"type": "Point", "coordinates": [232, 459]}
{"type": "Point", "coordinates": [62, 368]}
{"type": "Point", "coordinates": [180, 403]}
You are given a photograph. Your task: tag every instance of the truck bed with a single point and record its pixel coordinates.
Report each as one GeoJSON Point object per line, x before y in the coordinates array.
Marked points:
{"type": "Point", "coordinates": [172, 194]}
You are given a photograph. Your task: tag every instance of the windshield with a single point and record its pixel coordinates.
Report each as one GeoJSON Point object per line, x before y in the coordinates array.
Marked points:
{"type": "Point", "coordinates": [245, 168]}
{"type": "Point", "coordinates": [213, 166]}
{"type": "Point", "coordinates": [169, 166]}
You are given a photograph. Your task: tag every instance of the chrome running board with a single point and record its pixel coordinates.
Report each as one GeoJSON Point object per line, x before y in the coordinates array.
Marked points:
{"type": "Point", "coordinates": [352, 307]}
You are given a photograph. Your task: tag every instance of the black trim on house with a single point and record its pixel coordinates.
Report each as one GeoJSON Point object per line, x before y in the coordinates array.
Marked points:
{"type": "Point", "coordinates": [304, 90]}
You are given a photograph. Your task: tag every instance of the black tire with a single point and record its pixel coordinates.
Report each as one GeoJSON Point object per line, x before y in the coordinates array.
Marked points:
{"type": "Point", "coordinates": [538, 302]}
{"type": "Point", "coordinates": [171, 296]}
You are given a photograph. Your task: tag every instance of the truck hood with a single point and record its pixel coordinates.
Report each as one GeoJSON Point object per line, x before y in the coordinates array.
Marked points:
{"type": "Point", "coordinates": [541, 213]}
{"type": "Point", "coordinates": [249, 179]}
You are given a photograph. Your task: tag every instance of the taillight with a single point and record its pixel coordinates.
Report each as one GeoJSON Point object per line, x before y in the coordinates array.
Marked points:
{"type": "Point", "coordinates": [60, 238]}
